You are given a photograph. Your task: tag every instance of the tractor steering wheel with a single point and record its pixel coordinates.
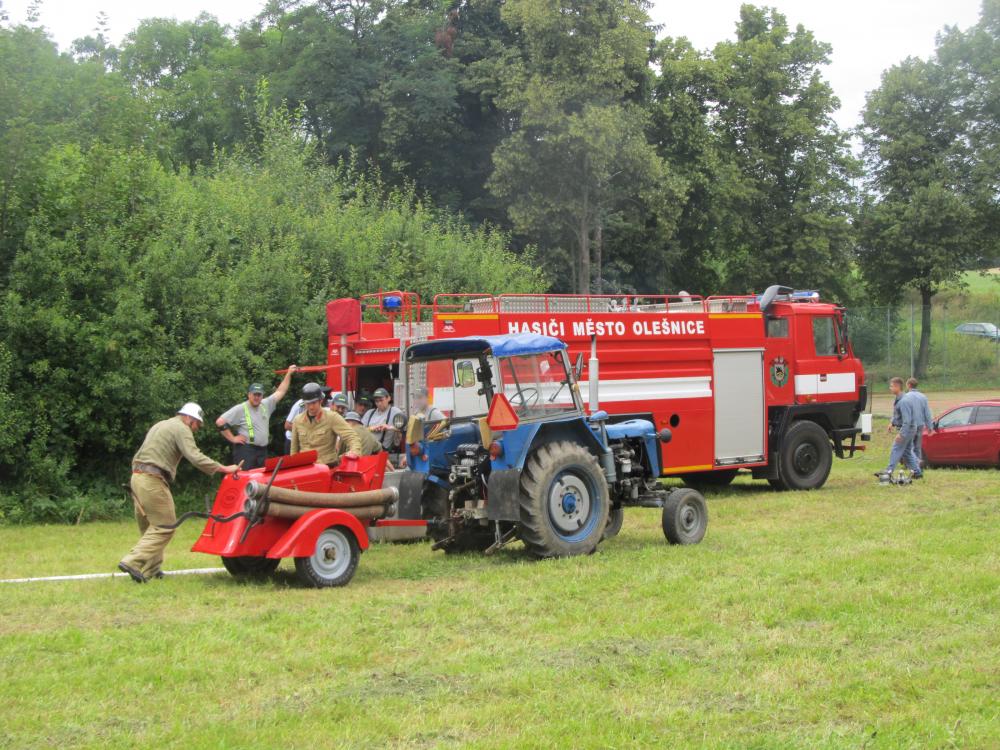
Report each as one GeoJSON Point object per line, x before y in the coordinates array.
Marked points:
{"type": "Point", "coordinates": [525, 397]}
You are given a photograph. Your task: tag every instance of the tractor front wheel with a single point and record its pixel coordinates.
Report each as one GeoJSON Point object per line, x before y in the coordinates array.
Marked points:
{"type": "Point", "coordinates": [563, 501]}
{"type": "Point", "coordinates": [685, 517]}
{"type": "Point", "coordinates": [333, 562]}
{"type": "Point", "coordinates": [616, 517]}
{"type": "Point", "coordinates": [250, 566]}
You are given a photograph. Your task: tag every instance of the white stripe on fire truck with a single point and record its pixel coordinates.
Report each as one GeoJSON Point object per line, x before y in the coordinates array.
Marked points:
{"type": "Point", "coordinates": [835, 382]}
{"type": "Point", "coordinates": [646, 389]}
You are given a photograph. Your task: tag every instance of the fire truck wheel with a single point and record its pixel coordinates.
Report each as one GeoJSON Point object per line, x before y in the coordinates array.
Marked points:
{"type": "Point", "coordinates": [564, 501]}
{"type": "Point", "coordinates": [708, 479]}
{"type": "Point", "coordinates": [334, 561]}
{"type": "Point", "coordinates": [250, 567]}
{"type": "Point", "coordinates": [616, 517]}
{"type": "Point", "coordinates": [685, 516]}
{"type": "Point", "coordinates": [805, 457]}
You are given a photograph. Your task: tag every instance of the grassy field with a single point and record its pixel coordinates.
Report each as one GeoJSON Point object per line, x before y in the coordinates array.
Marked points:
{"type": "Point", "coordinates": [854, 616]}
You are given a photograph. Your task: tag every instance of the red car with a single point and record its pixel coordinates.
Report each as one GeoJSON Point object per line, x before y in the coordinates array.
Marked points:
{"type": "Point", "coordinates": [967, 435]}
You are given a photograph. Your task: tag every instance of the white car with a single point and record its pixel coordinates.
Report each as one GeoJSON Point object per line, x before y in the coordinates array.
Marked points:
{"type": "Point", "coordinates": [984, 330]}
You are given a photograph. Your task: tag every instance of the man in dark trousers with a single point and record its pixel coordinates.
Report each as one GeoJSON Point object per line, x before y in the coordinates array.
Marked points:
{"type": "Point", "coordinates": [905, 415]}
{"type": "Point", "coordinates": [153, 469]}
{"type": "Point", "coordinates": [926, 418]}
{"type": "Point", "coordinates": [248, 425]}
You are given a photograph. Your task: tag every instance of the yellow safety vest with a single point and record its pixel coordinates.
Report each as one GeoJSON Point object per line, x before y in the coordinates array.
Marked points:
{"type": "Point", "coordinates": [246, 416]}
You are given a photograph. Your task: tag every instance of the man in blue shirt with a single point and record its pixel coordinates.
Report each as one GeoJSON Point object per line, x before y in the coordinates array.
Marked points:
{"type": "Point", "coordinates": [909, 415]}
{"type": "Point", "coordinates": [926, 419]}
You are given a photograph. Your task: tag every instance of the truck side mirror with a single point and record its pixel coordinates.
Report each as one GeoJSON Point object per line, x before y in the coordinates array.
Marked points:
{"type": "Point", "coordinates": [665, 435]}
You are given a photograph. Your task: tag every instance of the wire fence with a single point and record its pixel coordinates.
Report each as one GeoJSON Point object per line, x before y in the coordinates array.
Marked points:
{"type": "Point", "coordinates": [963, 351]}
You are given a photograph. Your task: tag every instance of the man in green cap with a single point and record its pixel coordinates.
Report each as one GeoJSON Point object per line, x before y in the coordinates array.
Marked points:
{"type": "Point", "coordinates": [153, 469]}
{"type": "Point", "coordinates": [380, 421]}
{"type": "Point", "coordinates": [369, 443]}
{"type": "Point", "coordinates": [339, 403]}
{"type": "Point", "coordinates": [248, 425]}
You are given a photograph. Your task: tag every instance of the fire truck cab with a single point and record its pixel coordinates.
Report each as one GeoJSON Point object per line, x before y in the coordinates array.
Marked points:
{"type": "Point", "coordinates": [766, 383]}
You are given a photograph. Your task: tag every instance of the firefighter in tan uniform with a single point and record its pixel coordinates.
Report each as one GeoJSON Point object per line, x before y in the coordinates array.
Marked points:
{"type": "Point", "coordinates": [319, 429]}
{"type": "Point", "coordinates": [369, 443]}
{"type": "Point", "coordinates": [153, 469]}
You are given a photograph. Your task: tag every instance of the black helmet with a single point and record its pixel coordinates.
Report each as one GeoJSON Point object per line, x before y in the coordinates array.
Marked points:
{"type": "Point", "coordinates": [312, 392]}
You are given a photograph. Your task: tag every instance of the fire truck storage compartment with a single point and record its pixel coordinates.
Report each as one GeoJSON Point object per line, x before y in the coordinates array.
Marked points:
{"type": "Point", "coordinates": [739, 406]}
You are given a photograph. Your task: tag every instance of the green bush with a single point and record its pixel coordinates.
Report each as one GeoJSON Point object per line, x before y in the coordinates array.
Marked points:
{"type": "Point", "coordinates": [136, 289]}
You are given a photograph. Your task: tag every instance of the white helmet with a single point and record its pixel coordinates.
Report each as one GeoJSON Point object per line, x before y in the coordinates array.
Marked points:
{"type": "Point", "coordinates": [191, 409]}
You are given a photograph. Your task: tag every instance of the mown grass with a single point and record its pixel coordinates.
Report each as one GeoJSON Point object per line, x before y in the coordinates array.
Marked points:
{"type": "Point", "coordinates": [854, 616]}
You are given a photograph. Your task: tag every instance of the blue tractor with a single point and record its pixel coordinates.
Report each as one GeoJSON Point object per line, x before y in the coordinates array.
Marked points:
{"type": "Point", "coordinates": [499, 448]}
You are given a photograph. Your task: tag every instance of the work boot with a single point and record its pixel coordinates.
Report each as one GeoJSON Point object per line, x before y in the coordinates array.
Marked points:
{"type": "Point", "coordinates": [134, 574]}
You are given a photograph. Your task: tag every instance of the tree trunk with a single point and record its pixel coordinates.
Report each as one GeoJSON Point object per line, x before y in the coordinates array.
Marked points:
{"type": "Point", "coordinates": [923, 353]}
{"type": "Point", "coordinates": [598, 255]}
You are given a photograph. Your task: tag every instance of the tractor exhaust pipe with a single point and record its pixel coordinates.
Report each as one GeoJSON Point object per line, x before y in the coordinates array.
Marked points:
{"type": "Point", "coordinates": [592, 376]}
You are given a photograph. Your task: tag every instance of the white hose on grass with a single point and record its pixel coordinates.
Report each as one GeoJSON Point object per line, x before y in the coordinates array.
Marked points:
{"type": "Point", "coordinates": [90, 576]}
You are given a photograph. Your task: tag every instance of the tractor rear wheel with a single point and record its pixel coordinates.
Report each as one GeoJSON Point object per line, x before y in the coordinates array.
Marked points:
{"type": "Point", "coordinates": [616, 517]}
{"type": "Point", "coordinates": [250, 566]}
{"type": "Point", "coordinates": [333, 562]}
{"type": "Point", "coordinates": [804, 458]}
{"type": "Point", "coordinates": [563, 501]}
{"type": "Point", "coordinates": [685, 516]}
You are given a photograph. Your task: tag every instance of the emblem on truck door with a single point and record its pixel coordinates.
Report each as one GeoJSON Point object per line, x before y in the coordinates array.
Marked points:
{"type": "Point", "coordinates": [779, 372]}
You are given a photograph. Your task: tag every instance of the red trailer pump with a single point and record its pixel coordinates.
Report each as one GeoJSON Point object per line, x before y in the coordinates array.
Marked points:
{"type": "Point", "coordinates": [766, 383]}
{"type": "Point", "coordinates": [263, 515]}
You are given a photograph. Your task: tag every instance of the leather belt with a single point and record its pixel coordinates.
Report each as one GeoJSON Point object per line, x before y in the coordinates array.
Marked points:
{"type": "Point", "coordinates": [153, 469]}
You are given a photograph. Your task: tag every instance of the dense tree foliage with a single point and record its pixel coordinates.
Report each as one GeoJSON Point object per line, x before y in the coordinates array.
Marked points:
{"type": "Point", "coordinates": [169, 229]}
{"type": "Point", "coordinates": [931, 206]}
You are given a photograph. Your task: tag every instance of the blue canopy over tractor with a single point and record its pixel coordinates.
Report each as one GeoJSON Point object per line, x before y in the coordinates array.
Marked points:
{"type": "Point", "coordinates": [511, 345]}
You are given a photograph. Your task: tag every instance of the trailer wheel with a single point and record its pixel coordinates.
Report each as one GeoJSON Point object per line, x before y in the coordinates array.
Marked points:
{"type": "Point", "coordinates": [710, 479]}
{"type": "Point", "coordinates": [616, 517]}
{"type": "Point", "coordinates": [805, 457]}
{"type": "Point", "coordinates": [250, 566]}
{"type": "Point", "coordinates": [563, 501]}
{"type": "Point", "coordinates": [685, 516]}
{"type": "Point", "coordinates": [334, 561]}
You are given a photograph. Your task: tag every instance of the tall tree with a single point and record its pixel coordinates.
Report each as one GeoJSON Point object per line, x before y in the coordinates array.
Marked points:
{"type": "Point", "coordinates": [787, 195]}
{"type": "Point", "coordinates": [577, 152]}
{"type": "Point", "coordinates": [922, 224]}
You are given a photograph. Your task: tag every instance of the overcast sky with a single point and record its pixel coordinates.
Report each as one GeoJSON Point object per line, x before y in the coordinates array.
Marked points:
{"type": "Point", "coordinates": [867, 35]}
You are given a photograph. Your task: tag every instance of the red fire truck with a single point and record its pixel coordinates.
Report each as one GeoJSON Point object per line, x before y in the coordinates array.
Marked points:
{"type": "Point", "coordinates": [765, 383]}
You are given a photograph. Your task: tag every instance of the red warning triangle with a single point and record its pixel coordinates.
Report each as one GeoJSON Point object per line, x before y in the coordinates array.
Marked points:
{"type": "Point", "coordinates": [502, 415]}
